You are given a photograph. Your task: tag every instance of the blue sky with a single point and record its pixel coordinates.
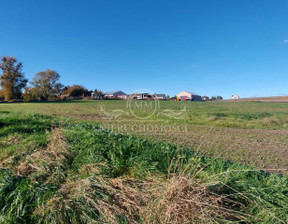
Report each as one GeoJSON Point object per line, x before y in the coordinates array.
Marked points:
{"type": "Point", "coordinates": [212, 47]}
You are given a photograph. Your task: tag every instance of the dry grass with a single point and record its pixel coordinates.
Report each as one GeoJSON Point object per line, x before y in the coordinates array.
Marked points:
{"type": "Point", "coordinates": [48, 162]}
{"type": "Point", "coordinates": [181, 199]}
{"type": "Point", "coordinates": [96, 200]}
{"type": "Point", "coordinates": [271, 121]}
{"type": "Point", "coordinates": [178, 199]}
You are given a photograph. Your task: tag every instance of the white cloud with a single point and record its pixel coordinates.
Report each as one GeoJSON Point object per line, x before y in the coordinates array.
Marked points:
{"type": "Point", "coordinates": [285, 41]}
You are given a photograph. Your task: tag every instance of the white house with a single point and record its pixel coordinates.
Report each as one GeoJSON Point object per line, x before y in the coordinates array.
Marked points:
{"type": "Point", "coordinates": [235, 97]}
{"type": "Point", "coordinates": [147, 96]}
{"type": "Point", "coordinates": [115, 95]}
{"type": "Point", "coordinates": [160, 96]}
{"type": "Point", "coordinates": [188, 96]}
{"type": "Point", "coordinates": [140, 96]}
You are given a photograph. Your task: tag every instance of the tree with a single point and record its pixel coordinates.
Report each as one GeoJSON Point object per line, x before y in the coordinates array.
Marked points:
{"type": "Point", "coordinates": [30, 94]}
{"type": "Point", "coordinates": [46, 85]}
{"type": "Point", "coordinates": [12, 79]}
{"type": "Point", "coordinates": [75, 91]}
{"type": "Point", "coordinates": [213, 98]}
{"type": "Point", "coordinates": [98, 93]}
{"type": "Point", "coordinates": [1, 95]}
{"type": "Point", "coordinates": [205, 98]}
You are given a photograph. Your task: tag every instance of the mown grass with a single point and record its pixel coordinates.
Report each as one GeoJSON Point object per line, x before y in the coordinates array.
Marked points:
{"type": "Point", "coordinates": [81, 173]}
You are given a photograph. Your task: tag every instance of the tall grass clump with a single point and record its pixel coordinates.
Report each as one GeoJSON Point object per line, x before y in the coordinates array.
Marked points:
{"type": "Point", "coordinates": [47, 164]}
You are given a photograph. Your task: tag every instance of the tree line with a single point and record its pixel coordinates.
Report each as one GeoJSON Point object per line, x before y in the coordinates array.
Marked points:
{"type": "Point", "coordinates": [44, 86]}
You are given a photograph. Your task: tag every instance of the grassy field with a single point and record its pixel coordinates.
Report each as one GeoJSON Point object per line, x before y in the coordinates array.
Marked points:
{"type": "Point", "coordinates": [55, 170]}
{"type": "Point", "coordinates": [244, 115]}
{"type": "Point", "coordinates": [252, 133]}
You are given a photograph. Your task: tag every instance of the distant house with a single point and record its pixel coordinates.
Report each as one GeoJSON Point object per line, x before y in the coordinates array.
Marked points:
{"type": "Point", "coordinates": [99, 96]}
{"type": "Point", "coordinates": [141, 96]}
{"type": "Point", "coordinates": [160, 96]}
{"type": "Point", "coordinates": [205, 98]}
{"type": "Point", "coordinates": [147, 96]}
{"type": "Point", "coordinates": [188, 96]}
{"type": "Point", "coordinates": [115, 95]}
{"type": "Point", "coordinates": [235, 97]}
